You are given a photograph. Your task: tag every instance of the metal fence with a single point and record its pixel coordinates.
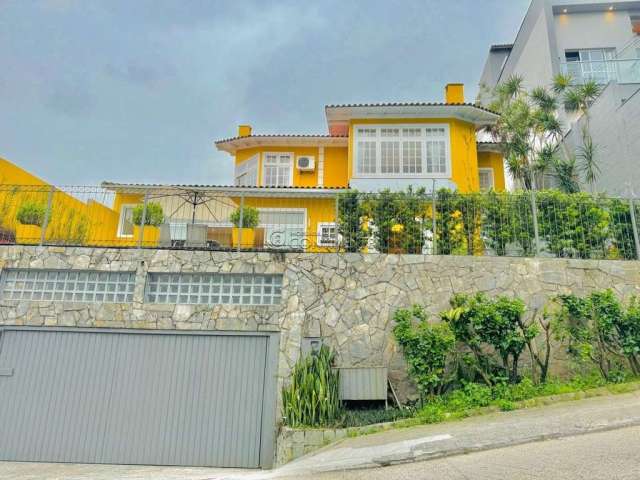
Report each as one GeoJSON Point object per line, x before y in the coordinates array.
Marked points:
{"type": "Point", "coordinates": [547, 223]}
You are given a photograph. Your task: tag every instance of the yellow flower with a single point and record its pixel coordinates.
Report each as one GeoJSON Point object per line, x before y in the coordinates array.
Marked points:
{"type": "Point", "coordinates": [456, 214]}
{"type": "Point", "coordinates": [397, 228]}
{"type": "Point", "coordinates": [458, 227]}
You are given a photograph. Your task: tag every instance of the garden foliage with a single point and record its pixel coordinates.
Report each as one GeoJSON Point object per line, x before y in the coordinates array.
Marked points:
{"type": "Point", "coordinates": [153, 216]}
{"type": "Point", "coordinates": [312, 398]}
{"type": "Point", "coordinates": [31, 213]}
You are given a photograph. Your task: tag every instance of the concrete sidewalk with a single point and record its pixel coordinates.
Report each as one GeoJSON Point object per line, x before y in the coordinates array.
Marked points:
{"type": "Point", "coordinates": [474, 434]}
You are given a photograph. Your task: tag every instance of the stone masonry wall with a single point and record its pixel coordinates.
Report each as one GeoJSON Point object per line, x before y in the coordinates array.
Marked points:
{"type": "Point", "coordinates": [349, 299]}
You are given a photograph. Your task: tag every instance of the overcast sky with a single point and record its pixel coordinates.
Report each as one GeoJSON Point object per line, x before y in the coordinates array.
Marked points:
{"type": "Point", "coordinates": [138, 90]}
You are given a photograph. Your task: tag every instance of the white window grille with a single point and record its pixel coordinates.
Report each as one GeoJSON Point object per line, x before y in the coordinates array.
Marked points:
{"type": "Point", "coordinates": [214, 288]}
{"type": "Point", "coordinates": [68, 286]}
{"type": "Point", "coordinates": [246, 173]}
{"type": "Point", "coordinates": [402, 151]}
{"type": "Point", "coordinates": [283, 228]}
{"type": "Point", "coordinates": [327, 234]}
{"type": "Point", "coordinates": [486, 179]}
{"type": "Point", "coordinates": [278, 169]}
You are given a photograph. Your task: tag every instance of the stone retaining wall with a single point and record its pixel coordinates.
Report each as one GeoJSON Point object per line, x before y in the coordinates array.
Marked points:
{"type": "Point", "coordinates": [347, 299]}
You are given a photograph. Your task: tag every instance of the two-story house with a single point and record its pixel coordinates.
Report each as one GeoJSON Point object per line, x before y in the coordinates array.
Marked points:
{"type": "Point", "coordinates": [292, 179]}
{"type": "Point", "coordinates": [588, 40]}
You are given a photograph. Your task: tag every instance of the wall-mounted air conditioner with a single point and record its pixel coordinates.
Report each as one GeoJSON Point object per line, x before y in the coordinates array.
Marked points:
{"type": "Point", "coordinates": [306, 163]}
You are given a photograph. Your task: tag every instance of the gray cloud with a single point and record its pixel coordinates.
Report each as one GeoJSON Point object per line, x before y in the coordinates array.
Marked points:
{"type": "Point", "coordinates": [138, 90]}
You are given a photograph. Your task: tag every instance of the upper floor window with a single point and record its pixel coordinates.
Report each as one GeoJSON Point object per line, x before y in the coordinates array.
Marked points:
{"type": "Point", "coordinates": [402, 151]}
{"type": "Point", "coordinates": [277, 170]}
{"type": "Point", "coordinates": [246, 173]}
{"type": "Point", "coordinates": [591, 64]}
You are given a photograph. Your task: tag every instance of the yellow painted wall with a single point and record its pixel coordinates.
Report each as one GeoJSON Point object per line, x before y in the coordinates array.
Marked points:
{"type": "Point", "coordinates": [493, 160]}
{"type": "Point", "coordinates": [71, 220]}
{"type": "Point", "coordinates": [464, 155]}
{"type": "Point", "coordinates": [335, 164]}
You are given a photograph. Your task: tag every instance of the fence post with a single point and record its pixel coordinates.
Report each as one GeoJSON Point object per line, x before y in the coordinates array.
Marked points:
{"type": "Point", "coordinates": [241, 223]}
{"type": "Point", "coordinates": [534, 212]}
{"type": "Point", "coordinates": [337, 221]}
{"type": "Point", "coordinates": [47, 215]}
{"type": "Point", "coordinates": [434, 245]}
{"type": "Point", "coordinates": [634, 226]}
{"type": "Point", "coordinates": [143, 220]}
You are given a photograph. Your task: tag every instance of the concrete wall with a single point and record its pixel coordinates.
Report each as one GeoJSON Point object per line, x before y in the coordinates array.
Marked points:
{"type": "Point", "coordinates": [348, 299]}
{"type": "Point", "coordinates": [615, 117]}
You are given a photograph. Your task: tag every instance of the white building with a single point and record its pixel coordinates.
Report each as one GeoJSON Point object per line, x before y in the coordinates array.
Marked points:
{"type": "Point", "coordinates": [590, 40]}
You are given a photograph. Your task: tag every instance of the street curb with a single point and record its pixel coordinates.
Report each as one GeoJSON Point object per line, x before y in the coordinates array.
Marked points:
{"type": "Point", "coordinates": [399, 460]}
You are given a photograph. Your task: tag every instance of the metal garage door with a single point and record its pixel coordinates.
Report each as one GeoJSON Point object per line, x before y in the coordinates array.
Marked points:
{"type": "Point", "coordinates": [134, 398]}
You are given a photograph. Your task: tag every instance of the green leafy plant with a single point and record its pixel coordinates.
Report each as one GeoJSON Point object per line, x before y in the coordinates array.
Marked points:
{"type": "Point", "coordinates": [312, 397]}
{"type": "Point", "coordinates": [31, 213]}
{"type": "Point", "coordinates": [399, 220]}
{"type": "Point", "coordinates": [600, 330]}
{"type": "Point", "coordinates": [428, 349]}
{"type": "Point", "coordinates": [350, 222]}
{"type": "Point", "coordinates": [488, 326]}
{"type": "Point", "coordinates": [153, 216]}
{"type": "Point", "coordinates": [250, 217]}
{"type": "Point", "coordinates": [574, 226]}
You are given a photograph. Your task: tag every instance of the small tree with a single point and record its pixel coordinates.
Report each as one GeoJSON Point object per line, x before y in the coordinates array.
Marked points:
{"type": "Point", "coordinates": [153, 216]}
{"type": "Point", "coordinates": [427, 349]}
{"type": "Point", "coordinates": [482, 324]}
{"type": "Point", "coordinates": [599, 330]}
{"type": "Point", "coordinates": [250, 217]}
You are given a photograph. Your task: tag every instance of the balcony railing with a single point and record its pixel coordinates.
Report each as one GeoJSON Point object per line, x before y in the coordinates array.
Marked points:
{"type": "Point", "coordinates": [603, 72]}
{"type": "Point", "coordinates": [546, 223]}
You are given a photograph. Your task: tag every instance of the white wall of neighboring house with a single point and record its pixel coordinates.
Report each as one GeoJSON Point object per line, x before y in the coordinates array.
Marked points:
{"type": "Point", "coordinates": [614, 127]}
{"type": "Point", "coordinates": [547, 32]}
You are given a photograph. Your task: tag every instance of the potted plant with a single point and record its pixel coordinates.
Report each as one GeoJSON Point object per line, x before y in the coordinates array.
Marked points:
{"type": "Point", "coordinates": [30, 218]}
{"type": "Point", "coordinates": [153, 218]}
{"type": "Point", "coordinates": [245, 236]}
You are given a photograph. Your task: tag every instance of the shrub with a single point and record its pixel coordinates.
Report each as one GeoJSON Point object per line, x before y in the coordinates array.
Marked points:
{"type": "Point", "coordinates": [249, 217]}
{"type": "Point", "coordinates": [31, 213]}
{"type": "Point", "coordinates": [600, 330]}
{"type": "Point", "coordinates": [154, 215]}
{"type": "Point", "coordinates": [406, 210]}
{"type": "Point", "coordinates": [572, 225]}
{"type": "Point", "coordinates": [312, 398]}
{"type": "Point", "coordinates": [427, 349]}
{"type": "Point", "coordinates": [485, 325]}
{"type": "Point", "coordinates": [350, 226]}
{"type": "Point", "coordinates": [356, 418]}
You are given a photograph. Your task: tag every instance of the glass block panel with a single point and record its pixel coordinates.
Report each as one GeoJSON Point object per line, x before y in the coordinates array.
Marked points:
{"type": "Point", "coordinates": [205, 288]}
{"type": "Point", "coordinates": [66, 285]}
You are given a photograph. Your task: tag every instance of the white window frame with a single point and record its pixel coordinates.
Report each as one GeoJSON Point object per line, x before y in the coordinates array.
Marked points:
{"type": "Point", "coordinates": [121, 219]}
{"type": "Point", "coordinates": [278, 154]}
{"type": "Point", "coordinates": [283, 210]}
{"type": "Point", "coordinates": [245, 168]}
{"type": "Point", "coordinates": [493, 178]}
{"type": "Point", "coordinates": [330, 243]}
{"type": "Point", "coordinates": [422, 138]}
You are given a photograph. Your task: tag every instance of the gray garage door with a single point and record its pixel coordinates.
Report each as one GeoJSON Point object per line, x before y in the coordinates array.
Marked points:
{"type": "Point", "coordinates": [133, 398]}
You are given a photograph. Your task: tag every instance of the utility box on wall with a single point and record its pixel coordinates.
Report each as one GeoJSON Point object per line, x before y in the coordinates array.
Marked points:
{"type": "Point", "coordinates": [366, 383]}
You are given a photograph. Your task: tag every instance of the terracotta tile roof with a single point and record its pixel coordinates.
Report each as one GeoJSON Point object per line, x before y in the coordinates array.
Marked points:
{"type": "Point", "coordinates": [231, 139]}
{"type": "Point", "coordinates": [410, 104]}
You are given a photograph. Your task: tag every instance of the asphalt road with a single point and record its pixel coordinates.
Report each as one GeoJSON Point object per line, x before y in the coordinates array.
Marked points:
{"type": "Point", "coordinates": [612, 455]}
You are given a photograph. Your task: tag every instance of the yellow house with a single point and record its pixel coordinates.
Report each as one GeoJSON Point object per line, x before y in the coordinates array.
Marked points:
{"type": "Point", "coordinates": [292, 179]}
{"type": "Point", "coordinates": [287, 186]}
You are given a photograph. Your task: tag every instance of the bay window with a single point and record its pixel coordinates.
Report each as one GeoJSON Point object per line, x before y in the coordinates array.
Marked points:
{"type": "Point", "coordinates": [402, 151]}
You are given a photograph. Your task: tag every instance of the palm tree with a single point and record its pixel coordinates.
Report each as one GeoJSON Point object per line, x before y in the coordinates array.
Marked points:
{"type": "Point", "coordinates": [578, 99]}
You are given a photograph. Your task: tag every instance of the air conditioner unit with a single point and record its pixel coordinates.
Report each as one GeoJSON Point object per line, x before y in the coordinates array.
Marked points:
{"type": "Point", "coordinates": [306, 164]}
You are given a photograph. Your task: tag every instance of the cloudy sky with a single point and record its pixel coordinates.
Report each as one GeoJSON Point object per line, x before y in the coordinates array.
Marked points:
{"type": "Point", "coordinates": [138, 90]}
